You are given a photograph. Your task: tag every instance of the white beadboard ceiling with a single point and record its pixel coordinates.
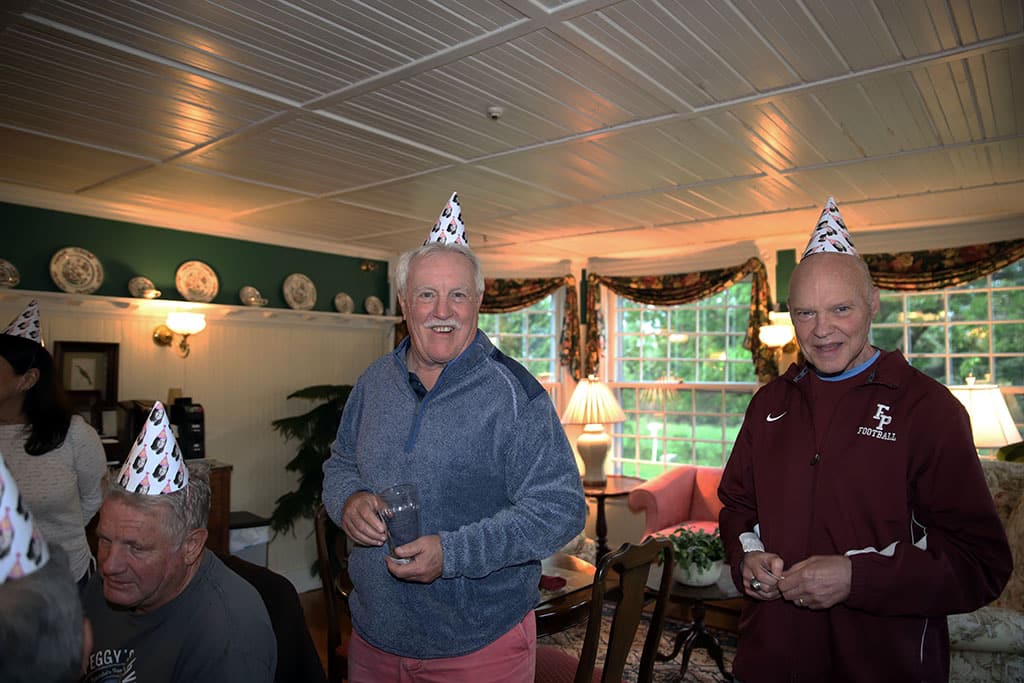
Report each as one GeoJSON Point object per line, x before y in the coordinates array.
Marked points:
{"type": "Point", "coordinates": [632, 129]}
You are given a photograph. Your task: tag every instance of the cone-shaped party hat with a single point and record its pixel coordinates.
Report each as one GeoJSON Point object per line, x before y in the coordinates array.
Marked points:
{"type": "Point", "coordinates": [449, 228]}
{"type": "Point", "coordinates": [830, 234]}
{"type": "Point", "coordinates": [22, 548]}
{"type": "Point", "coordinates": [154, 465]}
{"type": "Point", "coordinates": [27, 324]}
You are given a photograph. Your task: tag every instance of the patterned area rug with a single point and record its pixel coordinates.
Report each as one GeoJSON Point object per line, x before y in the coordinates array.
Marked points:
{"type": "Point", "coordinates": [702, 667]}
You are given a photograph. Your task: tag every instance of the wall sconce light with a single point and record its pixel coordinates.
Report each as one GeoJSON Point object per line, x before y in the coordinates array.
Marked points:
{"type": "Point", "coordinates": [184, 323]}
{"type": "Point", "coordinates": [779, 332]}
{"type": "Point", "coordinates": [367, 266]}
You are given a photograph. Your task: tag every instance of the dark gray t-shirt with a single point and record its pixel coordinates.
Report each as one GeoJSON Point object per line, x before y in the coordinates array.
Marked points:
{"type": "Point", "coordinates": [216, 630]}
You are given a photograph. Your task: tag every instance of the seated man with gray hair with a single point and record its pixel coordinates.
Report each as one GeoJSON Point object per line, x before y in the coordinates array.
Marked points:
{"type": "Point", "coordinates": [42, 633]}
{"type": "Point", "coordinates": [162, 606]}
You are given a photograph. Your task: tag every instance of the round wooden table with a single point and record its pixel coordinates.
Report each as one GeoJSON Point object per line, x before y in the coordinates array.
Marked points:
{"type": "Point", "coordinates": [571, 607]}
{"type": "Point", "coordinates": [696, 634]}
{"type": "Point", "coordinates": [615, 486]}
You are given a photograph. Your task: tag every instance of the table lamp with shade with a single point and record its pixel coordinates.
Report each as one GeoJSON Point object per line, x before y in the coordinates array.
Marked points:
{"type": "Point", "coordinates": [593, 405]}
{"type": "Point", "coordinates": [991, 423]}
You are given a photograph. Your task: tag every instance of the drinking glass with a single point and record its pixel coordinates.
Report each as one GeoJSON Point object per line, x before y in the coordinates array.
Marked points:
{"type": "Point", "coordinates": [401, 516]}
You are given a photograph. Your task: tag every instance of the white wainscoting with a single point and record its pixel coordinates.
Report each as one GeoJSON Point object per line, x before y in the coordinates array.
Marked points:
{"type": "Point", "coordinates": [241, 368]}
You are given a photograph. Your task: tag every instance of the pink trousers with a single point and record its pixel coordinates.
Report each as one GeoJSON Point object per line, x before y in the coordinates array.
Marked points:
{"type": "Point", "coordinates": [510, 659]}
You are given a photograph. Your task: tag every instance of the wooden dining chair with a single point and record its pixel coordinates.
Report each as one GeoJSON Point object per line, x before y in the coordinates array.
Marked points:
{"type": "Point", "coordinates": [332, 561]}
{"type": "Point", "coordinates": [627, 593]}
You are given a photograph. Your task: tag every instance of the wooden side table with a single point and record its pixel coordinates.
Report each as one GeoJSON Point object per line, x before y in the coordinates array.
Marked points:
{"type": "Point", "coordinates": [617, 485]}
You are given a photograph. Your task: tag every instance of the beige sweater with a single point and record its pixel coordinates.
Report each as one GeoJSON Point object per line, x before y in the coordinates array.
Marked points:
{"type": "Point", "coordinates": [62, 488]}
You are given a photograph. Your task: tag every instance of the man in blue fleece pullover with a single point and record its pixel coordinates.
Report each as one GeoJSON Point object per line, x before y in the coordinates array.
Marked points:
{"type": "Point", "coordinates": [498, 486]}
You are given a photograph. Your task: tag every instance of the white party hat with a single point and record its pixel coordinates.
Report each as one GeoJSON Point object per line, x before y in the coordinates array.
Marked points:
{"type": "Point", "coordinates": [26, 324]}
{"type": "Point", "coordinates": [22, 548]}
{"type": "Point", "coordinates": [830, 234]}
{"type": "Point", "coordinates": [449, 228]}
{"type": "Point", "coordinates": [154, 465]}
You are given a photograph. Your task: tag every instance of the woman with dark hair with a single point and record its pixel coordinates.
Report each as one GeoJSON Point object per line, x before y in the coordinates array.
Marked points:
{"type": "Point", "coordinates": [56, 458]}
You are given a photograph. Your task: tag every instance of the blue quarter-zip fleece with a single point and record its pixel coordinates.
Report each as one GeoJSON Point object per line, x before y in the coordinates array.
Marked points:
{"type": "Point", "coordinates": [497, 481]}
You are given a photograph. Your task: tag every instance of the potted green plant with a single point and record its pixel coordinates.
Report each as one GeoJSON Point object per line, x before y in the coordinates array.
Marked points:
{"type": "Point", "coordinates": [315, 431]}
{"type": "Point", "coordinates": [698, 554]}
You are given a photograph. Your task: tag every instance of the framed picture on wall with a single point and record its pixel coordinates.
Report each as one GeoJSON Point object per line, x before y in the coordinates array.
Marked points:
{"type": "Point", "coordinates": [88, 373]}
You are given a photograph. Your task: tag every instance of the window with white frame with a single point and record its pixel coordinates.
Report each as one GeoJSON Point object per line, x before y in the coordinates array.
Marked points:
{"type": "Point", "coordinates": [531, 337]}
{"type": "Point", "coordinates": [972, 329]}
{"type": "Point", "coordinates": [683, 378]}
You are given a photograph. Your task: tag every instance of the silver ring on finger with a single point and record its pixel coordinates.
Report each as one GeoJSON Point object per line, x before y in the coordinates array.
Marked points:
{"type": "Point", "coordinates": [755, 584]}
{"type": "Point", "coordinates": [801, 602]}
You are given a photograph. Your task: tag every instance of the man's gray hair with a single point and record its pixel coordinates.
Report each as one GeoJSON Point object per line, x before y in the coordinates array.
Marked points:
{"type": "Point", "coordinates": [41, 625]}
{"type": "Point", "coordinates": [406, 259]}
{"type": "Point", "coordinates": [186, 510]}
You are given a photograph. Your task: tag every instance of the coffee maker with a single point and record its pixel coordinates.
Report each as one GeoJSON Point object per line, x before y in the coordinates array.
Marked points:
{"type": "Point", "coordinates": [188, 420]}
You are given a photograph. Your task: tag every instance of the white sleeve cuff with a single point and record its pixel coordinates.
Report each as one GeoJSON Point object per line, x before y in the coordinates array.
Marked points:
{"type": "Point", "coordinates": [751, 541]}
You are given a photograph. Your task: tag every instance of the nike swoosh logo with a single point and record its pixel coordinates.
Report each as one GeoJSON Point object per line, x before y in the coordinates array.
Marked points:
{"type": "Point", "coordinates": [773, 418]}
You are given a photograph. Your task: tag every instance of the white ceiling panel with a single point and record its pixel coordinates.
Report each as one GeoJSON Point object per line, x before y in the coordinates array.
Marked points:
{"type": "Point", "coordinates": [626, 127]}
{"type": "Point", "coordinates": [484, 194]}
{"type": "Point", "coordinates": [327, 219]}
{"type": "Point", "coordinates": [918, 27]}
{"type": "Point", "coordinates": [60, 85]}
{"type": "Point", "coordinates": [56, 165]}
{"type": "Point", "coordinates": [189, 192]}
{"type": "Point", "coordinates": [533, 79]}
{"type": "Point", "coordinates": [982, 19]}
{"type": "Point", "coordinates": [315, 155]}
{"type": "Point", "coordinates": [856, 31]}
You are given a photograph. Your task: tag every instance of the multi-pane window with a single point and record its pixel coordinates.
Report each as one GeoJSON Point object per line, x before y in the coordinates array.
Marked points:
{"type": "Point", "coordinates": [698, 342]}
{"type": "Point", "coordinates": [530, 336]}
{"type": "Point", "coordinates": [972, 329]}
{"type": "Point", "coordinates": [683, 378]}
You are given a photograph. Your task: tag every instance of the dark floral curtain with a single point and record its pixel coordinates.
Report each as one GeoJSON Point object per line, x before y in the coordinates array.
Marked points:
{"type": "Point", "coordinates": [940, 268]}
{"type": "Point", "coordinates": [505, 295]}
{"type": "Point", "coordinates": [683, 288]}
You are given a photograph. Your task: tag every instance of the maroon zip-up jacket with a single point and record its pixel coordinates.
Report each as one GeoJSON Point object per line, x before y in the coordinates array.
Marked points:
{"type": "Point", "coordinates": [897, 486]}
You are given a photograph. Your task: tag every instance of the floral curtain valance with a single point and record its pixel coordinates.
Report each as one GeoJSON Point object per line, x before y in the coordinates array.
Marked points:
{"type": "Point", "coordinates": [682, 288]}
{"type": "Point", "coordinates": [940, 268]}
{"type": "Point", "coordinates": [505, 295]}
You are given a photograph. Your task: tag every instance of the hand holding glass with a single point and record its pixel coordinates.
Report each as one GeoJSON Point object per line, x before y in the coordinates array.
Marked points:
{"type": "Point", "coordinates": [401, 516]}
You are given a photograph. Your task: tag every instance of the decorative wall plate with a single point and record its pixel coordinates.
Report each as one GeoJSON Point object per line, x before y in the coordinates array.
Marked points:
{"type": "Point", "coordinates": [251, 296]}
{"type": "Point", "coordinates": [9, 276]}
{"type": "Point", "coordinates": [343, 303]}
{"type": "Point", "coordinates": [299, 292]}
{"type": "Point", "coordinates": [76, 270]}
{"type": "Point", "coordinates": [196, 281]}
{"type": "Point", "coordinates": [373, 305]}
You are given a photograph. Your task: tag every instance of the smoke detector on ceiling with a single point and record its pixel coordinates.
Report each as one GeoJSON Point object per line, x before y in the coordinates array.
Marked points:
{"type": "Point", "coordinates": [494, 113]}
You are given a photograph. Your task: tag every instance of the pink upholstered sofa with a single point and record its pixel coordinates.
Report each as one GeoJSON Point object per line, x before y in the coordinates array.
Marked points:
{"type": "Point", "coordinates": [684, 495]}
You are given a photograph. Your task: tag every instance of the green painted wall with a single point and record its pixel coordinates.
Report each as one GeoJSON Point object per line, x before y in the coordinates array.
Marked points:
{"type": "Point", "coordinates": [783, 270]}
{"type": "Point", "coordinates": [31, 236]}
